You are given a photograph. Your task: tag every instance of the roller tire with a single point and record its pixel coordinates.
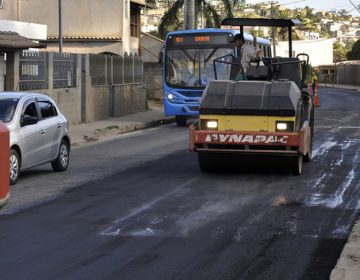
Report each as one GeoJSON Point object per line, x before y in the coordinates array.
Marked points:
{"type": "Point", "coordinates": [296, 164]}
{"type": "Point", "coordinates": [206, 162]}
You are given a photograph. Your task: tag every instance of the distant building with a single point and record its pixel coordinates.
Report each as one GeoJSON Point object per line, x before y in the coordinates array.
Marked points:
{"type": "Point", "coordinates": [16, 36]}
{"type": "Point", "coordinates": [89, 26]}
{"type": "Point", "coordinates": [310, 35]}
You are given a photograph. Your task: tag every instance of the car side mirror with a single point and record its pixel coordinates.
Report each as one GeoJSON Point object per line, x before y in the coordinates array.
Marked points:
{"type": "Point", "coordinates": [28, 120]}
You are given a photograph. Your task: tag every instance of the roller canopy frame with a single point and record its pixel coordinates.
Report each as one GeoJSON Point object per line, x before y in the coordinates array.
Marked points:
{"type": "Point", "coordinates": [241, 22]}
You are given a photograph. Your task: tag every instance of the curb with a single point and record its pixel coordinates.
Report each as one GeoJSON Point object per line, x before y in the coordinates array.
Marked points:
{"type": "Point", "coordinates": [98, 135]}
{"type": "Point", "coordinates": [348, 264]}
{"type": "Point", "coordinates": [344, 87]}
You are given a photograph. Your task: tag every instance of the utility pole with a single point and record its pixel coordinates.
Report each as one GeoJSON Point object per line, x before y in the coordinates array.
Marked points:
{"type": "Point", "coordinates": [272, 3]}
{"type": "Point", "coordinates": [60, 28]}
{"type": "Point", "coordinates": [189, 14]}
{"type": "Point", "coordinates": [18, 10]}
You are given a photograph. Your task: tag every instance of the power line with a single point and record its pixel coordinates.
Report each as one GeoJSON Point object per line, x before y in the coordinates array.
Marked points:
{"type": "Point", "coordinates": [292, 2]}
{"type": "Point", "coordinates": [356, 7]}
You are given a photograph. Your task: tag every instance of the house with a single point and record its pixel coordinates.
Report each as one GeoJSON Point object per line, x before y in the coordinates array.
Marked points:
{"type": "Point", "coordinates": [16, 36]}
{"type": "Point", "coordinates": [88, 26]}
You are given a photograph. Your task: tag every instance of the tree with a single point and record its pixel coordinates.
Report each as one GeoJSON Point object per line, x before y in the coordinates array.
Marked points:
{"type": "Point", "coordinates": [339, 52]}
{"type": "Point", "coordinates": [151, 2]}
{"type": "Point", "coordinates": [172, 18]}
{"type": "Point", "coordinates": [354, 54]}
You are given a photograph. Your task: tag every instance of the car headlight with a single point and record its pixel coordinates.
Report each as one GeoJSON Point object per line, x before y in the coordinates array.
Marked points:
{"type": "Point", "coordinates": [172, 98]}
{"type": "Point", "coordinates": [282, 126]}
{"type": "Point", "coordinates": [209, 124]}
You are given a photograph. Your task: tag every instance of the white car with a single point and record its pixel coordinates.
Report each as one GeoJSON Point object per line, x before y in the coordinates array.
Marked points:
{"type": "Point", "coordinates": [38, 132]}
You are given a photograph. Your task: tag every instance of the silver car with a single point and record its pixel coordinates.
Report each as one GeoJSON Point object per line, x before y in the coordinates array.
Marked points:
{"type": "Point", "coordinates": [38, 132]}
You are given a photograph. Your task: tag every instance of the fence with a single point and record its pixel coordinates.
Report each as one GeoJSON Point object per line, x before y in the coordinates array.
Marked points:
{"type": "Point", "coordinates": [64, 70]}
{"type": "Point", "coordinates": [346, 73]}
{"type": "Point", "coordinates": [104, 70]}
{"type": "Point", "coordinates": [86, 87]}
{"type": "Point", "coordinates": [33, 70]}
{"type": "Point", "coordinates": [116, 70]}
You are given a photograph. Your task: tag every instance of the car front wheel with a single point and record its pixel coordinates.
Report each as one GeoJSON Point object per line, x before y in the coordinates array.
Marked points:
{"type": "Point", "coordinates": [14, 166]}
{"type": "Point", "coordinates": [61, 163]}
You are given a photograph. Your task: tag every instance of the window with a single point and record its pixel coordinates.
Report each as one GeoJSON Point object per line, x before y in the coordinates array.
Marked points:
{"type": "Point", "coordinates": [134, 20]}
{"type": "Point", "coordinates": [47, 109]}
{"type": "Point", "coordinates": [31, 110]}
{"type": "Point", "coordinates": [7, 109]}
{"type": "Point", "coordinates": [1, 4]}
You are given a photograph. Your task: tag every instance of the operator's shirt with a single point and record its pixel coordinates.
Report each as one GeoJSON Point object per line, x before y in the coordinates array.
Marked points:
{"type": "Point", "coordinates": [247, 53]}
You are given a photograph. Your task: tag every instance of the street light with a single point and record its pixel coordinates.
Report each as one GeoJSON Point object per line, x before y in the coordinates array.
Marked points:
{"type": "Point", "coordinates": [60, 28]}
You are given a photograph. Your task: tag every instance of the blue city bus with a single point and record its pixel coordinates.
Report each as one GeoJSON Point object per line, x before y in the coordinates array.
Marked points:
{"type": "Point", "coordinates": [188, 66]}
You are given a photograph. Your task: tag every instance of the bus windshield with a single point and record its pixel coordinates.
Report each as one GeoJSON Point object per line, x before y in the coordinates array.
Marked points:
{"type": "Point", "coordinates": [193, 67]}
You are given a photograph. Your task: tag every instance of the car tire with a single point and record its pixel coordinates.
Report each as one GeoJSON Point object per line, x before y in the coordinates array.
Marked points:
{"type": "Point", "coordinates": [297, 164]}
{"type": "Point", "coordinates": [14, 166]}
{"type": "Point", "coordinates": [61, 162]}
{"type": "Point", "coordinates": [181, 120]}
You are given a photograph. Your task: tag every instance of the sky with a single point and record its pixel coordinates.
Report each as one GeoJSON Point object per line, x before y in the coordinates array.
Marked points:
{"type": "Point", "coordinates": [318, 4]}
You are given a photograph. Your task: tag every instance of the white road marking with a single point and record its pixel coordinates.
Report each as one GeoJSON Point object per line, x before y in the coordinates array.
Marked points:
{"type": "Point", "coordinates": [336, 199]}
{"type": "Point", "coordinates": [324, 148]}
{"type": "Point", "coordinates": [337, 127]}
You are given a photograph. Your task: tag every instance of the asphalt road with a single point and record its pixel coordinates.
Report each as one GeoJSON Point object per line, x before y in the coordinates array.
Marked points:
{"type": "Point", "coordinates": [143, 210]}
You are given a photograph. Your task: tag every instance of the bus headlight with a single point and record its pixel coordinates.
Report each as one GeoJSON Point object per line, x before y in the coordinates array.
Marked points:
{"type": "Point", "coordinates": [284, 126]}
{"type": "Point", "coordinates": [172, 98]}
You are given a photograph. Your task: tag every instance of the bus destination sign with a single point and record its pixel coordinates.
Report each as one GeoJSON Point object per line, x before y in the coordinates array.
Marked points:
{"type": "Point", "coordinates": [201, 39]}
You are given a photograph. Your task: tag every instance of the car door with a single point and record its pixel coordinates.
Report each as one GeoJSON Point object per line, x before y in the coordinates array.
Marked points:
{"type": "Point", "coordinates": [32, 137]}
{"type": "Point", "coordinates": [52, 125]}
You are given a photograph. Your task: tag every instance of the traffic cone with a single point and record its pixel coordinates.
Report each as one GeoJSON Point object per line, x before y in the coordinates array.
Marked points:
{"type": "Point", "coordinates": [316, 98]}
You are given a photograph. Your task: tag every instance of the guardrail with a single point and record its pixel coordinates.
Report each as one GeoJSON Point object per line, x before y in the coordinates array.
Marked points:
{"type": "Point", "coordinates": [4, 164]}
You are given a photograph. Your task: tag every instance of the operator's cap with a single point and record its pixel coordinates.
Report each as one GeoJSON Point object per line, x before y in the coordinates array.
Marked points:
{"type": "Point", "coordinates": [239, 36]}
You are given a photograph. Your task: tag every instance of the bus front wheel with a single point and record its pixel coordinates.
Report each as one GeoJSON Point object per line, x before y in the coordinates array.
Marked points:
{"type": "Point", "coordinates": [181, 120]}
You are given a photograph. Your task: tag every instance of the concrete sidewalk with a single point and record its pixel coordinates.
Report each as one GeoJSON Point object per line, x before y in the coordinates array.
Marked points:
{"type": "Point", "coordinates": [93, 131]}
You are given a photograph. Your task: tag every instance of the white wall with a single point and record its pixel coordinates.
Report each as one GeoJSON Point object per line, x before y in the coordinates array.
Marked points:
{"type": "Point", "coordinates": [32, 31]}
{"type": "Point", "coordinates": [320, 51]}
{"type": "Point", "coordinates": [79, 17]}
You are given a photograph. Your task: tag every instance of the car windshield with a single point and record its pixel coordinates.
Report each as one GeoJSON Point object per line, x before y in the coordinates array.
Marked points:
{"type": "Point", "coordinates": [194, 67]}
{"type": "Point", "coordinates": [7, 109]}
